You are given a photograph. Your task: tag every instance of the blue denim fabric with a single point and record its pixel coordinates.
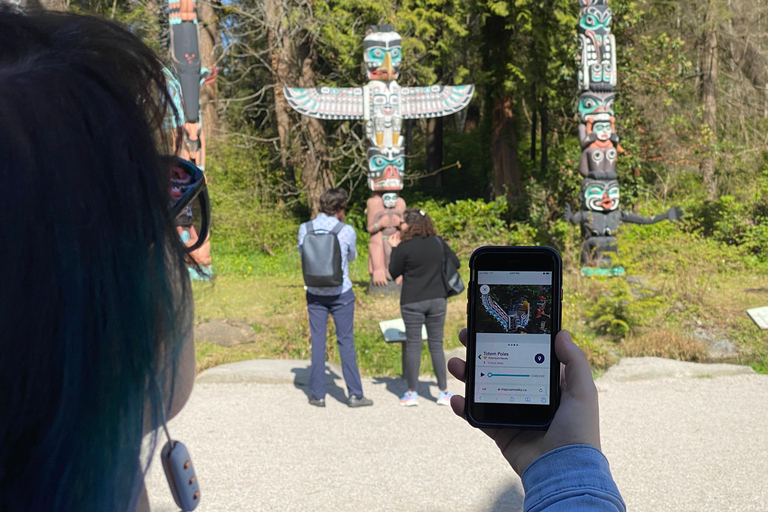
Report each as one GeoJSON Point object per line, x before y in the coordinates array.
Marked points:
{"type": "Point", "coordinates": [347, 240]}
{"type": "Point", "coordinates": [571, 478]}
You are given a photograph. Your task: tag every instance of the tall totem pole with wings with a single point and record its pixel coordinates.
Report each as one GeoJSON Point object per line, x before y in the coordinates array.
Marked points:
{"type": "Point", "coordinates": [601, 217]}
{"type": "Point", "coordinates": [185, 56]}
{"type": "Point", "coordinates": [383, 105]}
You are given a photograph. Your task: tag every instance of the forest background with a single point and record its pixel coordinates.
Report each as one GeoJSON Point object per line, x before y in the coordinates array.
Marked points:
{"type": "Point", "coordinates": [692, 114]}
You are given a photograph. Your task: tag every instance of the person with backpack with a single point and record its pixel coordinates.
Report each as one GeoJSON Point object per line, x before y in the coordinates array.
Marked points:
{"type": "Point", "coordinates": [326, 246]}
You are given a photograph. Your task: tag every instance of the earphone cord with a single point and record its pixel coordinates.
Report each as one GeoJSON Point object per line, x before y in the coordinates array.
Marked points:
{"type": "Point", "coordinates": [162, 408]}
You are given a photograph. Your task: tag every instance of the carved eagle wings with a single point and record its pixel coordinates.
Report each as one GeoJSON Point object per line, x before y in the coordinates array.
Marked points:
{"type": "Point", "coordinates": [351, 102]}
{"type": "Point", "coordinates": [327, 102]}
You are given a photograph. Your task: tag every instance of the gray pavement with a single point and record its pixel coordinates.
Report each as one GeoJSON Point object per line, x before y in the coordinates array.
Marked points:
{"type": "Point", "coordinates": [679, 436]}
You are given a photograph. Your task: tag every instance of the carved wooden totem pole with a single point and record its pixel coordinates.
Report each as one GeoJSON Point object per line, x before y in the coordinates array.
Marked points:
{"type": "Point", "coordinates": [383, 105]}
{"type": "Point", "coordinates": [185, 56]}
{"type": "Point", "coordinates": [601, 217]}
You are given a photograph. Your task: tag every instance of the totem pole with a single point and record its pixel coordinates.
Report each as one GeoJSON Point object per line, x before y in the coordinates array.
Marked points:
{"type": "Point", "coordinates": [383, 105]}
{"type": "Point", "coordinates": [601, 217]}
{"type": "Point", "coordinates": [185, 56]}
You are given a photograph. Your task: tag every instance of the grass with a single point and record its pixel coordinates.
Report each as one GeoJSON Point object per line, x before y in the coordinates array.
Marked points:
{"type": "Point", "coordinates": [664, 342]}
{"type": "Point", "coordinates": [268, 293]}
{"type": "Point", "coordinates": [676, 282]}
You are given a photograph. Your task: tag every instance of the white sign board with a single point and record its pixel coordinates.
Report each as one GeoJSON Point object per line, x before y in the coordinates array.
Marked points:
{"type": "Point", "coordinates": [760, 316]}
{"type": "Point", "coordinates": [394, 330]}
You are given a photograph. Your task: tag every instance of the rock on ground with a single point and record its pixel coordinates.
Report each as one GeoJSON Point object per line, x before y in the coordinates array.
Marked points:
{"type": "Point", "coordinates": [226, 333]}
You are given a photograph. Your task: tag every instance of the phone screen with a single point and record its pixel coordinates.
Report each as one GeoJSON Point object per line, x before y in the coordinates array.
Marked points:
{"type": "Point", "coordinates": [513, 325]}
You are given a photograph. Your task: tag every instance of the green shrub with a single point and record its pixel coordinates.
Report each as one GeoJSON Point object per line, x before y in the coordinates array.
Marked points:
{"type": "Point", "coordinates": [245, 216]}
{"type": "Point", "coordinates": [736, 220]}
{"type": "Point", "coordinates": [617, 307]}
{"type": "Point", "coordinates": [470, 223]}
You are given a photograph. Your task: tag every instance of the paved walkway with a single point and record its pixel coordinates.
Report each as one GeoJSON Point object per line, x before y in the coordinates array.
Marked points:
{"type": "Point", "coordinates": [679, 436]}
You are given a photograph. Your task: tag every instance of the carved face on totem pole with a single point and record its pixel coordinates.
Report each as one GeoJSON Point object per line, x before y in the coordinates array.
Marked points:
{"type": "Point", "coordinates": [389, 199]}
{"type": "Point", "coordinates": [383, 53]}
{"type": "Point", "coordinates": [597, 48]}
{"type": "Point", "coordinates": [385, 169]}
{"type": "Point", "coordinates": [385, 123]}
{"type": "Point", "coordinates": [600, 195]}
{"type": "Point", "coordinates": [602, 130]}
{"type": "Point", "coordinates": [598, 105]}
{"type": "Point", "coordinates": [595, 113]}
{"type": "Point", "coordinates": [520, 314]}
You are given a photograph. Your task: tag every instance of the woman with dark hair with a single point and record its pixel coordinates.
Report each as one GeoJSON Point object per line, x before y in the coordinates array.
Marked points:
{"type": "Point", "coordinates": [96, 310]}
{"type": "Point", "coordinates": [417, 255]}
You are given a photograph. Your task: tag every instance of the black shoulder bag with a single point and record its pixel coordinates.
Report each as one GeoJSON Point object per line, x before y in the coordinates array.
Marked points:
{"type": "Point", "coordinates": [451, 278]}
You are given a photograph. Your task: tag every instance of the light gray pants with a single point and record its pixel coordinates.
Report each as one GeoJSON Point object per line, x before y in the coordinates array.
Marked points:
{"type": "Point", "coordinates": [430, 312]}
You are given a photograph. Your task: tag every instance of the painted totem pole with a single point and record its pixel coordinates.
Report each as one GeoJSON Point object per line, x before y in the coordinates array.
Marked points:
{"type": "Point", "coordinates": [601, 217]}
{"type": "Point", "coordinates": [383, 105]}
{"type": "Point", "coordinates": [185, 56]}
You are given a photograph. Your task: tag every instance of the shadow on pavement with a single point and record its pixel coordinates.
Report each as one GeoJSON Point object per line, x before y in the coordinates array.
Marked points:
{"type": "Point", "coordinates": [301, 381]}
{"type": "Point", "coordinates": [397, 386]}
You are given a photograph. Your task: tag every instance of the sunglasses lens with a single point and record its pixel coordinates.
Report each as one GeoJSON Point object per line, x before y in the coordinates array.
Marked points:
{"type": "Point", "coordinates": [192, 219]}
{"type": "Point", "coordinates": [197, 215]}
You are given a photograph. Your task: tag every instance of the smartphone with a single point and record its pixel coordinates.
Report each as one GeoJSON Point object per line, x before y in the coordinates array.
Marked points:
{"type": "Point", "coordinates": [513, 314]}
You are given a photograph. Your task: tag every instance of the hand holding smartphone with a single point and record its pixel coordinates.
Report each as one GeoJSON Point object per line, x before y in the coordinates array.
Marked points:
{"type": "Point", "coordinates": [576, 420]}
{"type": "Point", "coordinates": [514, 312]}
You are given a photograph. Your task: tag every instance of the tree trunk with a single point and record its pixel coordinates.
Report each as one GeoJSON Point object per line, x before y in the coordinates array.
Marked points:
{"type": "Point", "coordinates": [292, 67]}
{"type": "Point", "coordinates": [316, 173]}
{"type": "Point", "coordinates": [506, 171]}
{"type": "Point", "coordinates": [544, 115]}
{"type": "Point", "coordinates": [709, 68]}
{"type": "Point", "coordinates": [408, 124]}
{"type": "Point", "coordinates": [534, 122]}
{"type": "Point", "coordinates": [279, 58]}
{"type": "Point", "coordinates": [52, 5]}
{"type": "Point", "coordinates": [434, 135]}
{"type": "Point", "coordinates": [210, 39]}
{"type": "Point", "coordinates": [765, 105]}
{"type": "Point", "coordinates": [434, 151]}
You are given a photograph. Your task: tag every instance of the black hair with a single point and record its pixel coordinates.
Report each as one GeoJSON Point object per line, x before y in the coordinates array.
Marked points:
{"type": "Point", "coordinates": [95, 292]}
{"type": "Point", "coordinates": [333, 201]}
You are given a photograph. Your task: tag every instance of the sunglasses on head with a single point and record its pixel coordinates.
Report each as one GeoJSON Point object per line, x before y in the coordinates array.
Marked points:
{"type": "Point", "coordinates": [190, 205]}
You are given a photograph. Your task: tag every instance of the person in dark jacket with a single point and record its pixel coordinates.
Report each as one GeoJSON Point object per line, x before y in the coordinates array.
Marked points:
{"type": "Point", "coordinates": [417, 255]}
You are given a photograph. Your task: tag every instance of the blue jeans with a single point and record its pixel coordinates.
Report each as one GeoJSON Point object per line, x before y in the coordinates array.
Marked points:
{"type": "Point", "coordinates": [342, 308]}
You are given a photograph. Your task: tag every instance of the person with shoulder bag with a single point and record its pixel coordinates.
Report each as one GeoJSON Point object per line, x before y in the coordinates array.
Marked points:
{"type": "Point", "coordinates": [419, 255]}
{"type": "Point", "coordinates": [326, 246]}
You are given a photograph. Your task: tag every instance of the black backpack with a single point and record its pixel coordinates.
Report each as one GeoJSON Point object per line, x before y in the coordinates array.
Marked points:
{"type": "Point", "coordinates": [321, 257]}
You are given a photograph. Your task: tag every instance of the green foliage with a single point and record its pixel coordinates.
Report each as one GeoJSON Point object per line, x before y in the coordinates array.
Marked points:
{"type": "Point", "coordinates": [471, 223]}
{"type": "Point", "coordinates": [473, 170]}
{"type": "Point", "coordinates": [740, 221]}
{"type": "Point", "coordinates": [244, 218]}
{"type": "Point", "coordinates": [619, 307]}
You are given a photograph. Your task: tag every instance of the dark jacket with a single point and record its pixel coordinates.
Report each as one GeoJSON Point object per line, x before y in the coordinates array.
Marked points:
{"type": "Point", "coordinates": [420, 262]}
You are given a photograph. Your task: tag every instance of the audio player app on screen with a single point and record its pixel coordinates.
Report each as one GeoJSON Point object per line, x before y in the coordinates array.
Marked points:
{"type": "Point", "coordinates": [513, 323]}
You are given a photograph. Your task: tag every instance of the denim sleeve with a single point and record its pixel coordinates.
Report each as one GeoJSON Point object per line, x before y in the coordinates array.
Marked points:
{"type": "Point", "coordinates": [571, 478]}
